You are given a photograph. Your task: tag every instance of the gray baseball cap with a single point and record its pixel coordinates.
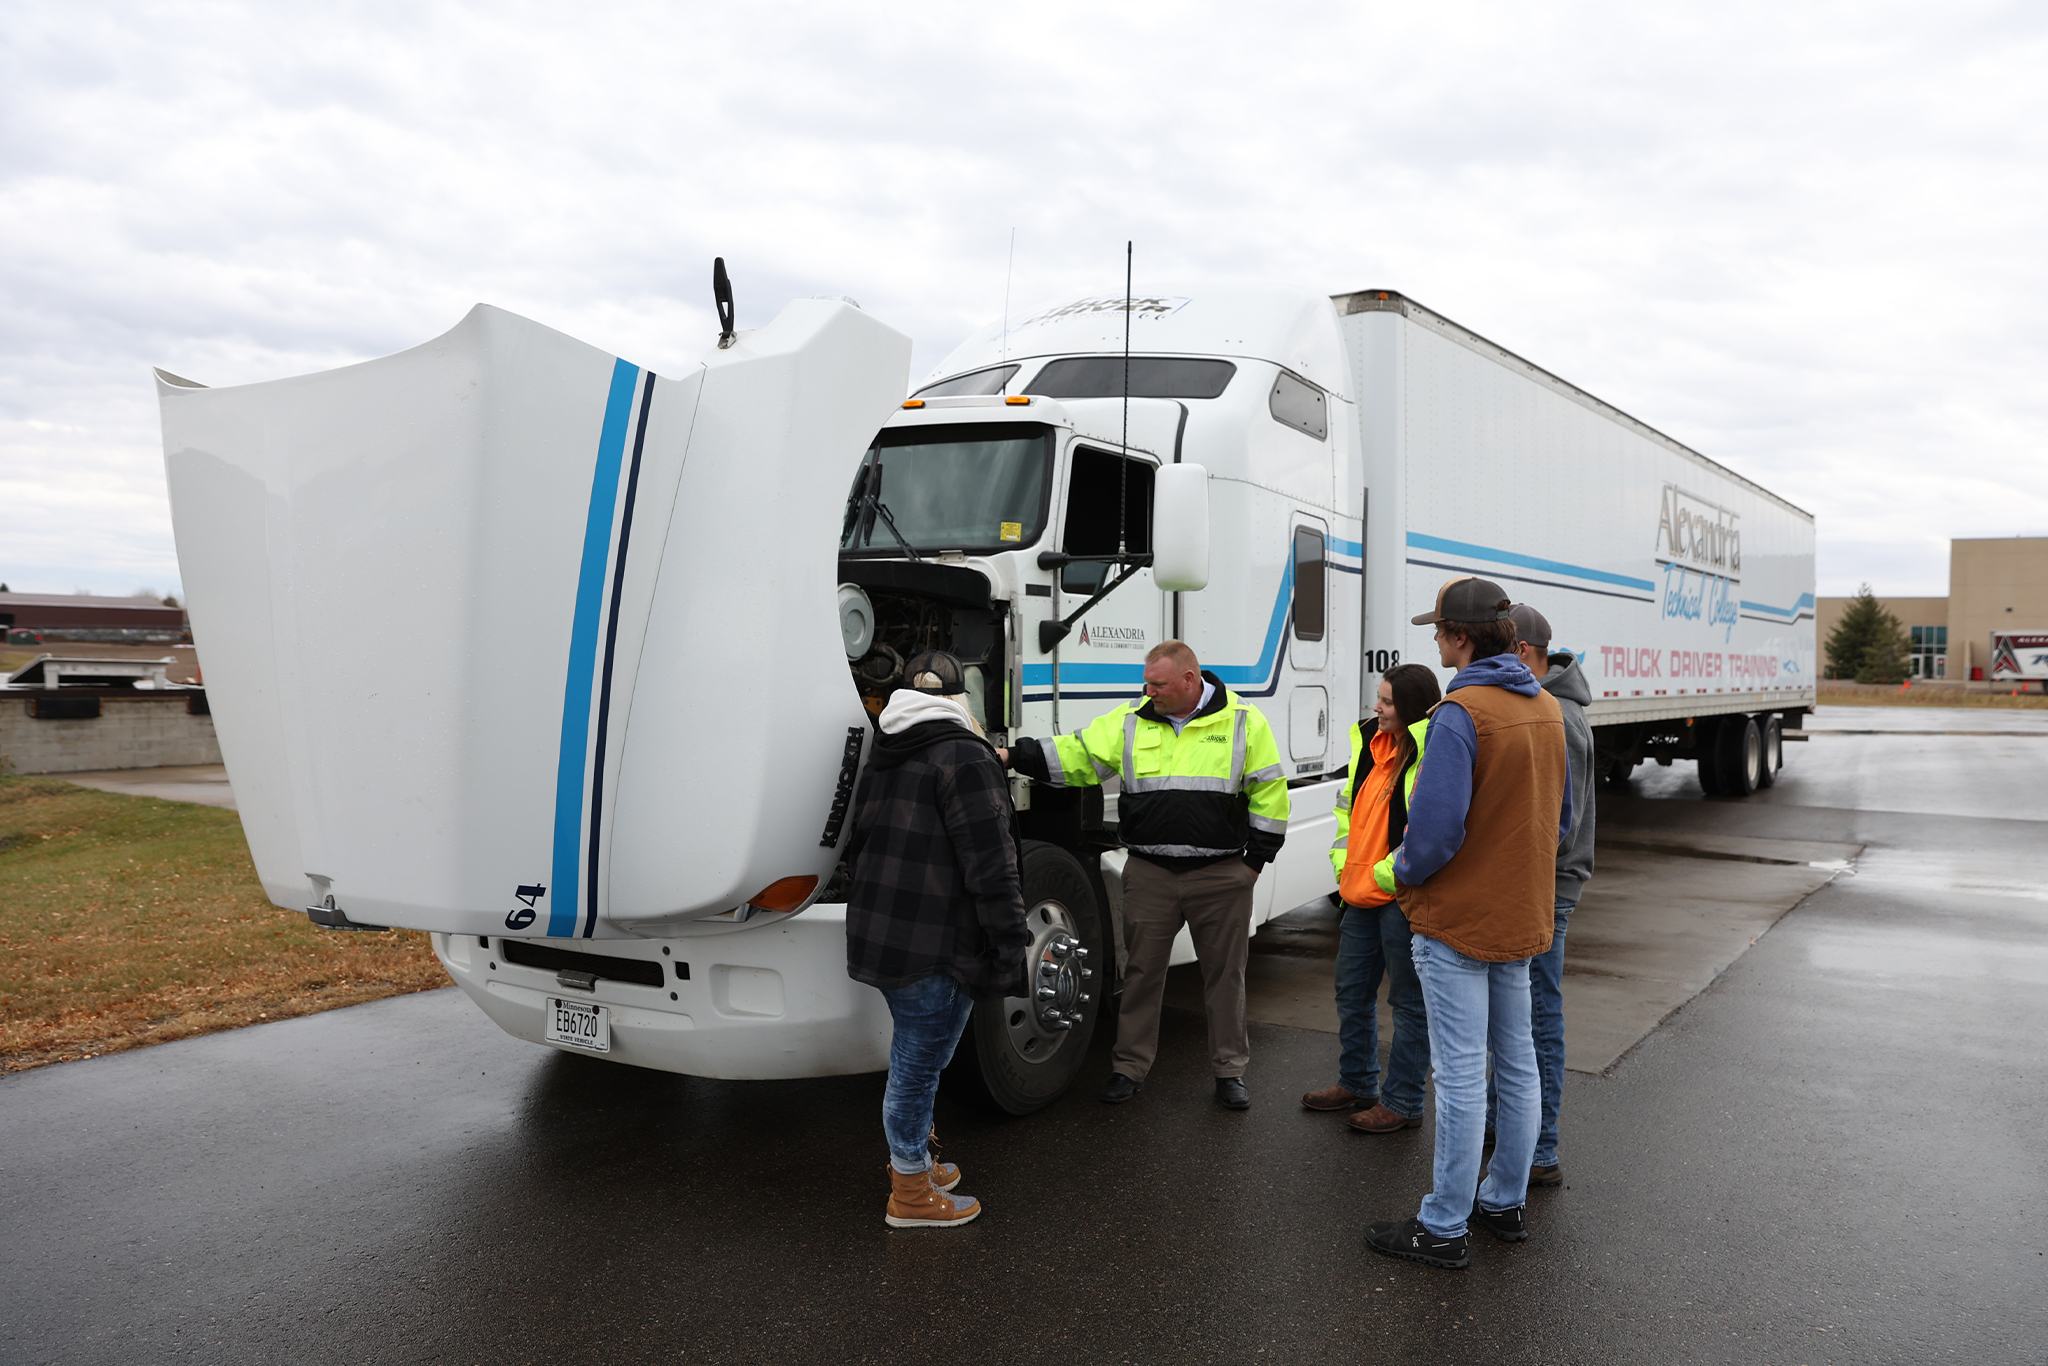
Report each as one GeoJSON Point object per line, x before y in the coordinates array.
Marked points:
{"type": "Point", "coordinates": [1531, 625]}
{"type": "Point", "coordinates": [1467, 600]}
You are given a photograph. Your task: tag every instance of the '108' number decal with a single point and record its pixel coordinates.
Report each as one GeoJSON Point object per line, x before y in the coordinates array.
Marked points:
{"type": "Point", "coordinates": [1379, 661]}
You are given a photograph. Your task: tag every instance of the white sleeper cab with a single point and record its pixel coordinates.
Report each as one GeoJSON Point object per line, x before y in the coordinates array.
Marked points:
{"type": "Point", "coordinates": [647, 621]}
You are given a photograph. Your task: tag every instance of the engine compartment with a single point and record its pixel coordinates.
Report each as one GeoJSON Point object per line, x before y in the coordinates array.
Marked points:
{"type": "Point", "coordinates": [890, 610]}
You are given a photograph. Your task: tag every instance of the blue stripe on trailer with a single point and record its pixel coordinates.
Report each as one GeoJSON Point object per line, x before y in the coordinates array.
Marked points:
{"type": "Point", "coordinates": [590, 579]}
{"type": "Point", "coordinates": [1795, 610]}
{"type": "Point", "coordinates": [1523, 578]}
{"type": "Point", "coordinates": [1344, 547]}
{"type": "Point", "coordinates": [1479, 552]}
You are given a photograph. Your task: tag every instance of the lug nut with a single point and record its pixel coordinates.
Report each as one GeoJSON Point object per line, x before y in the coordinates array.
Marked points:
{"type": "Point", "coordinates": [1086, 973]}
{"type": "Point", "coordinates": [1080, 952]}
{"type": "Point", "coordinates": [1086, 998]}
{"type": "Point", "coordinates": [1047, 993]}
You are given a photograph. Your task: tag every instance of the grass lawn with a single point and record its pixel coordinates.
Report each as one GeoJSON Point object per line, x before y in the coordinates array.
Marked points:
{"type": "Point", "coordinates": [1860, 695]}
{"type": "Point", "coordinates": [127, 921]}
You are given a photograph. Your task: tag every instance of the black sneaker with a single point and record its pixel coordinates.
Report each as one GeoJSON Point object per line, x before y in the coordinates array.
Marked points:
{"type": "Point", "coordinates": [1120, 1088]}
{"type": "Point", "coordinates": [1411, 1242]}
{"type": "Point", "coordinates": [1231, 1095]}
{"type": "Point", "coordinates": [1504, 1224]}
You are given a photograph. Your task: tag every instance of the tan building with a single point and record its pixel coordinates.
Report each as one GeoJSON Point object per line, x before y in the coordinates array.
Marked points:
{"type": "Point", "coordinates": [1994, 584]}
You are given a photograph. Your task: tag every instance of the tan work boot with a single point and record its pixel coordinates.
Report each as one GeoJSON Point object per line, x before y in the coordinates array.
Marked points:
{"type": "Point", "coordinates": [915, 1203]}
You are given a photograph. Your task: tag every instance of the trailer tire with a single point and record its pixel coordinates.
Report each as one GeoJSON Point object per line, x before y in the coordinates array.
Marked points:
{"type": "Point", "coordinates": [1010, 1060]}
{"type": "Point", "coordinates": [1774, 750]}
{"type": "Point", "coordinates": [1738, 756]}
{"type": "Point", "coordinates": [1707, 748]}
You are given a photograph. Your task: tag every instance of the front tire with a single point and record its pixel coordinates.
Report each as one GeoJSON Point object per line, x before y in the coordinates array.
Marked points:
{"type": "Point", "coordinates": [1022, 1052]}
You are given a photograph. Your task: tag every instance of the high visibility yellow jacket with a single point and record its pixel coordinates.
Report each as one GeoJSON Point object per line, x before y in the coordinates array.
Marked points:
{"type": "Point", "coordinates": [1397, 809]}
{"type": "Point", "coordinates": [1216, 790]}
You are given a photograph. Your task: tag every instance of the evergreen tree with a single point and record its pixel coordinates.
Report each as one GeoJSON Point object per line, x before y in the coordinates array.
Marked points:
{"type": "Point", "coordinates": [1868, 644]}
{"type": "Point", "coordinates": [1887, 656]}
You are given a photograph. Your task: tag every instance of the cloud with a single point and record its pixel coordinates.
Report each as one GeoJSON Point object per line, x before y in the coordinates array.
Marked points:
{"type": "Point", "coordinates": [1804, 241]}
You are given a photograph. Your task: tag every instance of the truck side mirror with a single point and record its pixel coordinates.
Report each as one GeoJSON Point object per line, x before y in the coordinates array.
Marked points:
{"type": "Point", "coordinates": [1180, 528]}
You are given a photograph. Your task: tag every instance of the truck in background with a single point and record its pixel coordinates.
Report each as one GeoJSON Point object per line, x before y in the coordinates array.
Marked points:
{"type": "Point", "coordinates": [629, 847]}
{"type": "Point", "coordinates": [2020, 657]}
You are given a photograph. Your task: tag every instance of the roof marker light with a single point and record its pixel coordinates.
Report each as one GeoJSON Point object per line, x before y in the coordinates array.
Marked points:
{"type": "Point", "coordinates": [1017, 400]}
{"type": "Point", "coordinates": [913, 403]}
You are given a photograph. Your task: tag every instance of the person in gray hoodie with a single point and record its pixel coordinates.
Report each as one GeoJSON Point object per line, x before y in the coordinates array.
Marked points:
{"type": "Point", "coordinates": [1561, 677]}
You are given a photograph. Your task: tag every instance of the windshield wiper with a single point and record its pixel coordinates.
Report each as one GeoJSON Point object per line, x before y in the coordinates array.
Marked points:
{"type": "Point", "coordinates": [867, 489]}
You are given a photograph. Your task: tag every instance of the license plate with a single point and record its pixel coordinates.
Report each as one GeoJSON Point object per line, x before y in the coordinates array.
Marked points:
{"type": "Point", "coordinates": [579, 1025]}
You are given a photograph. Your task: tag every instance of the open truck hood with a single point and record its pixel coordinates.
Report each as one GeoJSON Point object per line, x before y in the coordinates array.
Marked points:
{"type": "Point", "coordinates": [506, 634]}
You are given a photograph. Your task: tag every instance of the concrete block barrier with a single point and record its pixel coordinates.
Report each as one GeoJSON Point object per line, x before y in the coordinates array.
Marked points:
{"type": "Point", "coordinates": [132, 730]}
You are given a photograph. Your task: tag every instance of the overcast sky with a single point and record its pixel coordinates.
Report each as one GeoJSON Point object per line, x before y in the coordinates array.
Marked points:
{"type": "Point", "coordinates": [1806, 240]}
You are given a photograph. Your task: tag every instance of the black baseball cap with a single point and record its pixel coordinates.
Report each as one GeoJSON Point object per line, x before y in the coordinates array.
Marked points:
{"type": "Point", "coordinates": [934, 671]}
{"type": "Point", "coordinates": [1467, 601]}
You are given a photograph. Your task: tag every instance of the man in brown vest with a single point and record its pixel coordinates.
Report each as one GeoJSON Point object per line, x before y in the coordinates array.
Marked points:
{"type": "Point", "coordinates": [1476, 873]}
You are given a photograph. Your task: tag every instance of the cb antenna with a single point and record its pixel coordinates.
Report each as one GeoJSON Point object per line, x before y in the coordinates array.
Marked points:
{"type": "Point", "coordinates": [1123, 472]}
{"type": "Point", "coordinates": [721, 294]}
{"type": "Point", "coordinates": [1008, 271]}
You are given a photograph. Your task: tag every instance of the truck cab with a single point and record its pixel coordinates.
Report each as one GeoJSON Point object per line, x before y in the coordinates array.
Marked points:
{"type": "Point", "coordinates": [1030, 509]}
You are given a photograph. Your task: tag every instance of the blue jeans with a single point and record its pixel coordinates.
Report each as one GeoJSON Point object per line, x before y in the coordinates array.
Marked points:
{"type": "Point", "coordinates": [931, 1014]}
{"type": "Point", "coordinates": [1372, 941]}
{"type": "Point", "coordinates": [1546, 1012]}
{"type": "Point", "coordinates": [1474, 1006]}
{"type": "Point", "coordinates": [1546, 1019]}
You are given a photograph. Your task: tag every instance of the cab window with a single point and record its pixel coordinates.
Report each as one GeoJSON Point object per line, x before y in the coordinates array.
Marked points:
{"type": "Point", "coordinates": [1310, 584]}
{"type": "Point", "coordinates": [1093, 498]}
{"type": "Point", "coordinates": [1299, 405]}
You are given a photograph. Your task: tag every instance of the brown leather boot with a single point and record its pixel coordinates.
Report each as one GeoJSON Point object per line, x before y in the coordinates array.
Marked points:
{"type": "Point", "coordinates": [915, 1203]}
{"type": "Point", "coordinates": [1334, 1098]}
{"type": "Point", "coordinates": [1380, 1120]}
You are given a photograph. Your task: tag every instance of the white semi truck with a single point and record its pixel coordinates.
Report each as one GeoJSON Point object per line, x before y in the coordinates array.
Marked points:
{"type": "Point", "coordinates": [601, 738]}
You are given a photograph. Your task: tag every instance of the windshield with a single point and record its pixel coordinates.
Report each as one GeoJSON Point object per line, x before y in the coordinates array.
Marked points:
{"type": "Point", "coordinates": [968, 487]}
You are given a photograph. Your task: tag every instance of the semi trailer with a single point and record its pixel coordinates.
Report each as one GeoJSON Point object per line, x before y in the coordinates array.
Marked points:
{"type": "Point", "coordinates": [636, 628]}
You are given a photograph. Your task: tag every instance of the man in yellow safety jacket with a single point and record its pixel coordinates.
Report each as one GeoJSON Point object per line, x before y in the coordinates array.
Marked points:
{"type": "Point", "coordinates": [1203, 809]}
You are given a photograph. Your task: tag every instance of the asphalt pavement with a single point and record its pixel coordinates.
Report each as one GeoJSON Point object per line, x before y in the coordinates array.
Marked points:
{"type": "Point", "coordinates": [1832, 1153]}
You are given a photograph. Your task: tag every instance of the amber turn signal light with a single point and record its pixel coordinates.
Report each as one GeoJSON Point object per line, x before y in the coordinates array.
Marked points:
{"type": "Point", "coordinates": [783, 894]}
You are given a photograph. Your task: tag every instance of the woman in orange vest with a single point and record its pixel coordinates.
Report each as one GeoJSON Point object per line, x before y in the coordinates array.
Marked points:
{"type": "Point", "coordinates": [1373, 938]}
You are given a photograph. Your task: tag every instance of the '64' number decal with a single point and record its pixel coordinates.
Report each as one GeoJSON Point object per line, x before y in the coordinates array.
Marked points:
{"type": "Point", "coordinates": [519, 917]}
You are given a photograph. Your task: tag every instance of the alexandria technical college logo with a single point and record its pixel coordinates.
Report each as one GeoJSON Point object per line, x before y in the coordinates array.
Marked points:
{"type": "Point", "coordinates": [1111, 637]}
{"type": "Point", "coordinates": [1699, 547]}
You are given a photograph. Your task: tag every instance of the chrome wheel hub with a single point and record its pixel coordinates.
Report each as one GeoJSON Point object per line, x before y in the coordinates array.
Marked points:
{"type": "Point", "coordinates": [1059, 982]}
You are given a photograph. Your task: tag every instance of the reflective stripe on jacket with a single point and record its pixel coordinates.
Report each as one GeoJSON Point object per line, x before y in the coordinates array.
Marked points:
{"type": "Point", "coordinates": [1397, 809]}
{"type": "Point", "coordinates": [1216, 790]}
